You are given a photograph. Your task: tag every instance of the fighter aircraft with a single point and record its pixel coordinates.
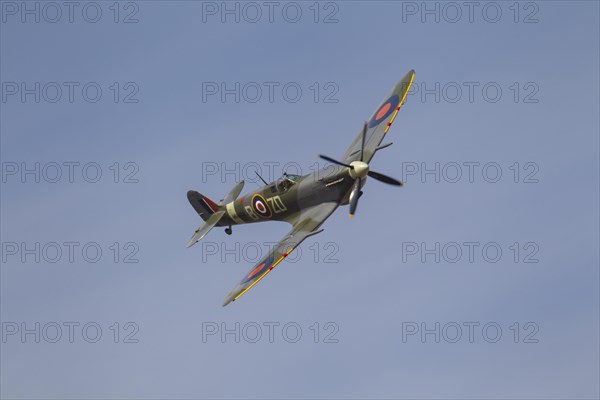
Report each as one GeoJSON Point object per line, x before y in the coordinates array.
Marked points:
{"type": "Point", "coordinates": [303, 201]}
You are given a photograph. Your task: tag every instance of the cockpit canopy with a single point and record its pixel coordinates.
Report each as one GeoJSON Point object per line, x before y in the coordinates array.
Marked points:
{"type": "Point", "coordinates": [286, 182]}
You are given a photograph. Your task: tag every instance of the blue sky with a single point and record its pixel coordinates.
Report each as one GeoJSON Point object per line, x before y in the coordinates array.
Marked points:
{"type": "Point", "coordinates": [362, 276]}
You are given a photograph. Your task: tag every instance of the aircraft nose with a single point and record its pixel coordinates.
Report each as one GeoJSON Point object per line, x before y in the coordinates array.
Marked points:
{"type": "Point", "coordinates": [359, 169]}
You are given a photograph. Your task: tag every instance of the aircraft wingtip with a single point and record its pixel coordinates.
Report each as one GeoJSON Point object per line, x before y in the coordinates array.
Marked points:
{"type": "Point", "coordinates": [228, 300]}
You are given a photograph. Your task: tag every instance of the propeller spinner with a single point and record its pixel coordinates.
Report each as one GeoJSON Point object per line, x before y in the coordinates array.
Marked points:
{"type": "Point", "coordinates": [359, 170]}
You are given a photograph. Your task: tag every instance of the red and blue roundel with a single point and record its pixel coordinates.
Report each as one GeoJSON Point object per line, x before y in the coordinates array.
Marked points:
{"type": "Point", "coordinates": [386, 109]}
{"type": "Point", "coordinates": [260, 206]}
{"type": "Point", "coordinates": [260, 269]}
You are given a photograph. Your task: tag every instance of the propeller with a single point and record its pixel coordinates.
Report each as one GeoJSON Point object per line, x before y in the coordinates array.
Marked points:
{"type": "Point", "coordinates": [354, 196]}
{"type": "Point", "coordinates": [384, 178]}
{"type": "Point", "coordinates": [358, 171]}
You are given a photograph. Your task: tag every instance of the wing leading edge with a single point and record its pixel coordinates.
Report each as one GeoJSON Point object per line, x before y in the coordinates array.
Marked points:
{"type": "Point", "coordinates": [305, 224]}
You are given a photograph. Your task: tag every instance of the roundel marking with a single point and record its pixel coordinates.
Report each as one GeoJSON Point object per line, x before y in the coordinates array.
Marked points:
{"type": "Point", "coordinates": [260, 269]}
{"type": "Point", "coordinates": [388, 107]}
{"type": "Point", "coordinates": [260, 206]}
{"type": "Point", "coordinates": [383, 110]}
{"type": "Point", "coordinates": [256, 270]}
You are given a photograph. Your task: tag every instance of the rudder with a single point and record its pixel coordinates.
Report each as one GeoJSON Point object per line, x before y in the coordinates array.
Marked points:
{"type": "Point", "coordinates": [204, 206]}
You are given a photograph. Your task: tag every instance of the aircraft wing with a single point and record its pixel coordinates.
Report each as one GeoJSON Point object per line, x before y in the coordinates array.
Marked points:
{"type": "Point", "coordinates": [305, 224]}
{"type": "Point", "coordinates": [380, 122]}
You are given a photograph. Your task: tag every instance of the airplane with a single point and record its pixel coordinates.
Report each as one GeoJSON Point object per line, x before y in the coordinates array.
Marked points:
{"type": "Point", "coordinates": [303, 201]}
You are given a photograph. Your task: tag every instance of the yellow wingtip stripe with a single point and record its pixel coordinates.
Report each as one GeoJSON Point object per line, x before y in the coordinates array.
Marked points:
{"type": "Point", "coordinates": [263, 275]}
{"type": "Point", "coordinates": [387, 128]}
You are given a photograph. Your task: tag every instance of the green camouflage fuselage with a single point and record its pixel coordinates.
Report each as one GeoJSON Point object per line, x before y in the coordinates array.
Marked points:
{"type": "Point", "coordinates": [279, 203]}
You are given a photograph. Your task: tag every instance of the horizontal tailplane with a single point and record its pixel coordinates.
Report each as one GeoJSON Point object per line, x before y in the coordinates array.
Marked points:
{"type": "Point", "coordinates": [204, 229]}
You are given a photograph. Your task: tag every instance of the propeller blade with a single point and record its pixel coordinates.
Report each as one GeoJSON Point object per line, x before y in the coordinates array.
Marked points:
{"type": "Point", "coordinates": [331, 160]}
{"type": "Point", "coordinates": [354, 196]}
{"type": "Point", "coordinates": [362, 146]}
{"type": "Point", "coordinates": [384, 178]}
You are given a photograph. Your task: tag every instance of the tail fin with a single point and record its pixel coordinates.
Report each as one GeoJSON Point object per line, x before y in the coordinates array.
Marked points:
{"type": "Point", "coordinates": [210, 211]}
{"type": "Point", "coordinates": [204, 206]}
